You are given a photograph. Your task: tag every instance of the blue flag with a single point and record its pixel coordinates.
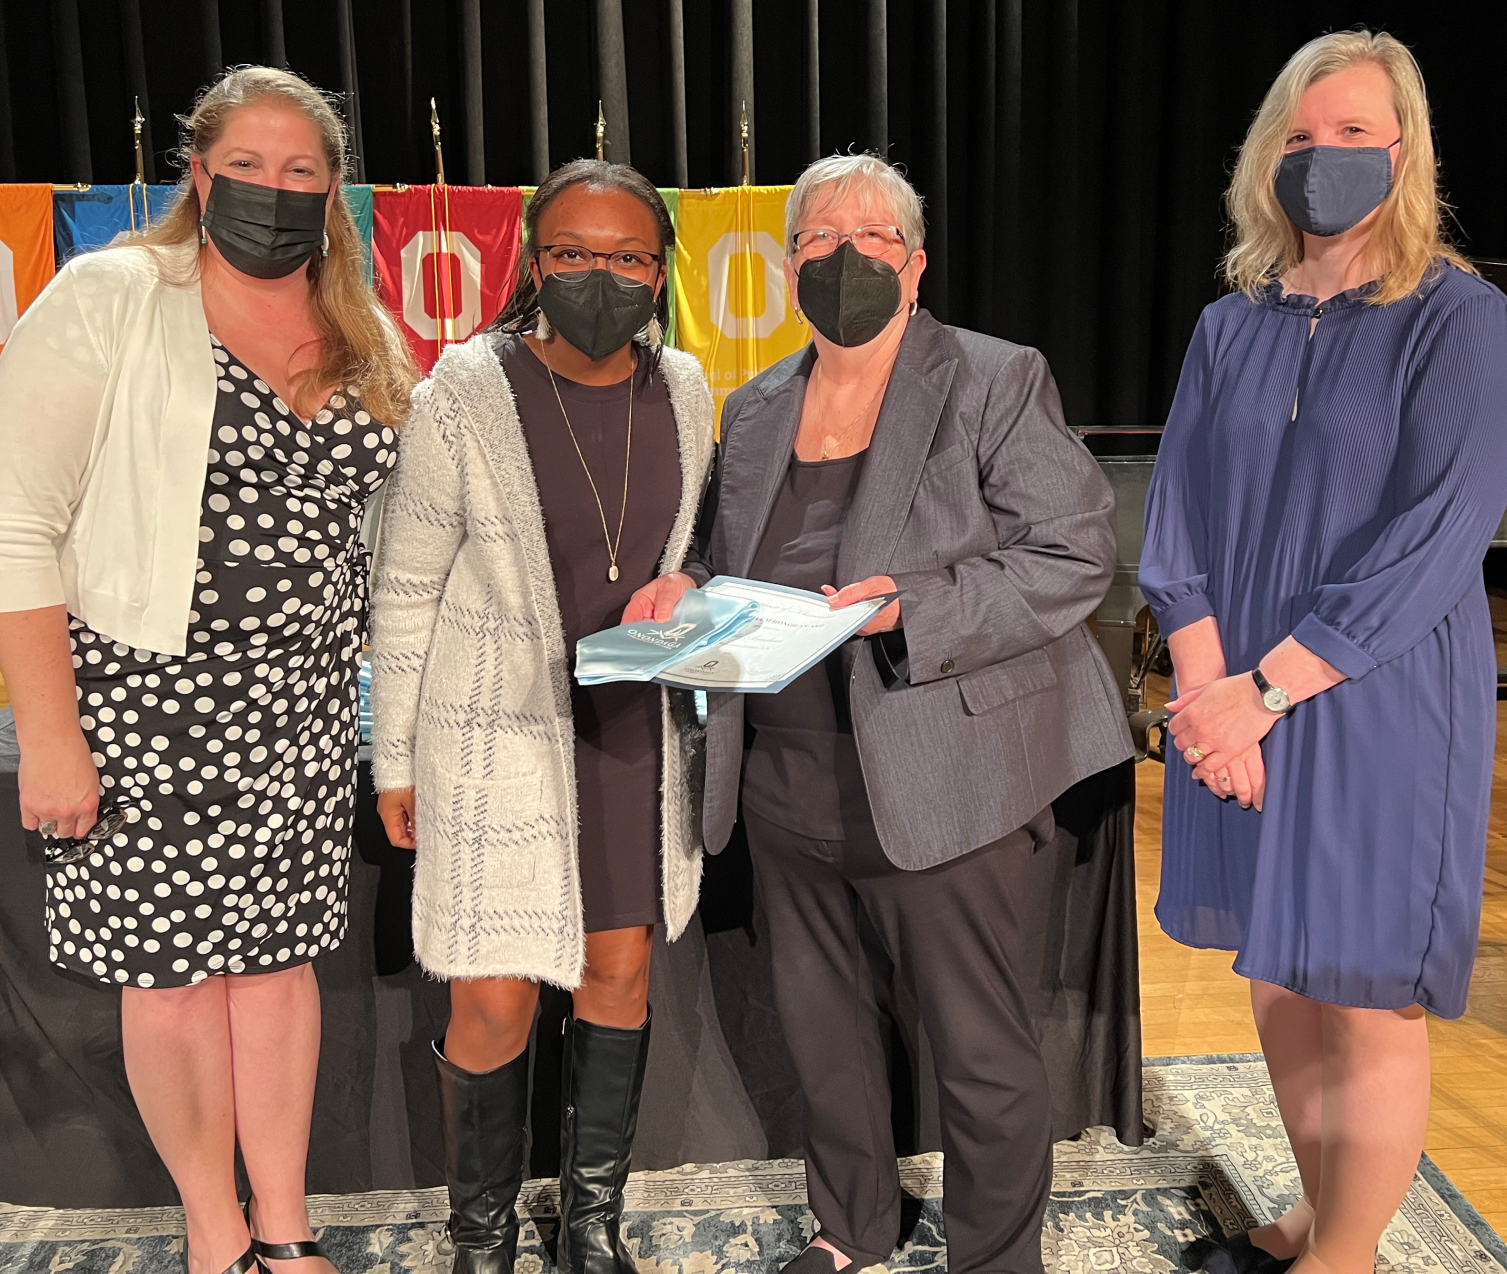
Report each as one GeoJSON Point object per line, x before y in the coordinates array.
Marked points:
{"type": "Point", "coordinates": [83, 220]}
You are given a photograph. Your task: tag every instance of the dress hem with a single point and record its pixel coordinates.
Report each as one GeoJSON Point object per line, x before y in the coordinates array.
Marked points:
{"type": "Point", "coordinates": [1422, 1001]}
{"type": "Point", "coordinates": [179, 981]}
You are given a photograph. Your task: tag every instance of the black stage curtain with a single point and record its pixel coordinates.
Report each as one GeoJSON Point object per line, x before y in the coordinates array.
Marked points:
{"type": "Point", "coordinates": [720, 1084]}
{"type": "Point", "coordinates": [1072, 152]}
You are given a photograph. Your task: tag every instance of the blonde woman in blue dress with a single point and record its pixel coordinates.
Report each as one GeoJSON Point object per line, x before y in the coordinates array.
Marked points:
{"type": "Point", "coordinates": [1331, 474]}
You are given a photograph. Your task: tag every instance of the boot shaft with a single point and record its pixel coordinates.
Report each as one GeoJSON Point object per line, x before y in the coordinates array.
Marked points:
{"type": "Point", "coordinates": [482, 1118]}
{"type": "Point", "coordinates": [602, 1077]}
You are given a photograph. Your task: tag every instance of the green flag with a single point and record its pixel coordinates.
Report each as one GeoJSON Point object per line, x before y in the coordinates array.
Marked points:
{"type": "Point", "coordinates": [359, 200]}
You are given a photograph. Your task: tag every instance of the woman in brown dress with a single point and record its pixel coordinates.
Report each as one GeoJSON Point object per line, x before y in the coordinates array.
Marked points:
{"type": "Point", "coordinates": [552, 466]}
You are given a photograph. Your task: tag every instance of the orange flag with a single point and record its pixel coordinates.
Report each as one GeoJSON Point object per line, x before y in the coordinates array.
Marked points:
{"type": "Point", "coordinates": [26, 265]}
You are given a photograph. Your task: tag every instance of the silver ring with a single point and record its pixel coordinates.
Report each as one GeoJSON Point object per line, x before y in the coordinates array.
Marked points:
{"type": "Point", "coordinates": [48, 829]}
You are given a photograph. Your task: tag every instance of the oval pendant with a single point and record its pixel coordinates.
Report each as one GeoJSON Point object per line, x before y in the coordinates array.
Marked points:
{"type": "Point", "coordinates": [612, 573]}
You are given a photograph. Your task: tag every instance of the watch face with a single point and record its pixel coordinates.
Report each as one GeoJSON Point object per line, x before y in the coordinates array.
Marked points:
{"type": "Point", "coordinates": [1276, 700]}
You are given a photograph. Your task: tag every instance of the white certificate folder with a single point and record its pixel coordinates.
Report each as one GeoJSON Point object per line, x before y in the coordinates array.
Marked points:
{"type": "Point", "coordinates": [735, 635]}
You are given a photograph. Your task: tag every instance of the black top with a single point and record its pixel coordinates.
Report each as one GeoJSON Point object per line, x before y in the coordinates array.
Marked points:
{"type": "Point", "coordinates": [803, 772]}
{"type": "Point", "coordinates": [618, 730]}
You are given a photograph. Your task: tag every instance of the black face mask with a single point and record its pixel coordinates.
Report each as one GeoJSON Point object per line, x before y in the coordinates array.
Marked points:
{"type": "Point", "coordinates": [264, 231]}
{"type": "Point", "coordinates": [596, 311]}
{"type": "Point", "coordinates": [1326, 190]}
{"type": "Point", "coordinates": [849, 298]}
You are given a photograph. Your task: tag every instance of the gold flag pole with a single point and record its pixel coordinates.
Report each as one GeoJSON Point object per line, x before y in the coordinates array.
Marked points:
{"type": "Point", "coordinates": [141, 182]}
{"type": "Point", "coordinates": [601, 131]}
{"type": "Point", "coordinates": [444, 298]}
{"type": "Point", "coordinates": [743, 135]}
{"type": "Point", "coordinates": [439, 154]}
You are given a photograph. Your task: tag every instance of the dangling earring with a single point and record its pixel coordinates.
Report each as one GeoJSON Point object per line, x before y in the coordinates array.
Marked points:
{"type": "Point", "coordinates": [325, 251]}
{"type": "Point", "coordinates": [542, 330]}
{"type": "Point", "coordinates": [203, 234]}
{"type": "Point", "coordinates": [656, 334]}
{"type": "Point", "coordinates": [800, 318]}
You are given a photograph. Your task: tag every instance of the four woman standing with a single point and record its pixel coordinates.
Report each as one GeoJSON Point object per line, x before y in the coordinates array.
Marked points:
{"type": "Point", "coordinates": [1328, 481]}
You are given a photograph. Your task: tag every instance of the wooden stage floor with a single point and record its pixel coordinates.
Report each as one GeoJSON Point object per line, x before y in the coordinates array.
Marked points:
{"type": "Point", "coordinates": [1193, 1003]}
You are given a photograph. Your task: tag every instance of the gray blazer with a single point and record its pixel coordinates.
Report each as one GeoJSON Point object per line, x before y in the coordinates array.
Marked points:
{"type": "Point", "coordinates": [998, 528]}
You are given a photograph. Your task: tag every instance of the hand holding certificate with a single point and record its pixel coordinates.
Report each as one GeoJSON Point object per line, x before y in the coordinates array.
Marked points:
{"type": "Point", "coordinates": [733, 635]}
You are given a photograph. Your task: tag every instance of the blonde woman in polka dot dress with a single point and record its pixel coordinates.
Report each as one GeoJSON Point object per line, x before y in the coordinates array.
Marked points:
{"type": "Point", "coordinates": [193, 422]}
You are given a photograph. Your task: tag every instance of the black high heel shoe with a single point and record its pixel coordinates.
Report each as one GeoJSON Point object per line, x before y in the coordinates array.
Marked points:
{"type": "Point", "coordinates": [1238, 1255]}
{"type": "Point", "coordinates": [276, 1251]}
{"type": "Point", "coordinates": [248, 1263]}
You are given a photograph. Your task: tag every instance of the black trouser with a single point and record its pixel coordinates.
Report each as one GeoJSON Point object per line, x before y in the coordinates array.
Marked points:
{"type": "Point", "coordinates": [952, 932]}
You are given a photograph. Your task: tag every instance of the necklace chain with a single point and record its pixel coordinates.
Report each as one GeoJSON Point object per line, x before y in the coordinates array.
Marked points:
{"type": "Point", "coordinates": [863, 411]}
{"type": "Point", "coordinates": [612, 546]}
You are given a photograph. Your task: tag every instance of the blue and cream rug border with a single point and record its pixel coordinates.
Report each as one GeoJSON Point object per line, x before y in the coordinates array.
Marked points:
{"type": "Point", "coordinates": [1218, 1162]}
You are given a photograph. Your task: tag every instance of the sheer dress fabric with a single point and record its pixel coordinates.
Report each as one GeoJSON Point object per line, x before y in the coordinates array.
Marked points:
{"type": "Point", "coordinates": [1342, 488]}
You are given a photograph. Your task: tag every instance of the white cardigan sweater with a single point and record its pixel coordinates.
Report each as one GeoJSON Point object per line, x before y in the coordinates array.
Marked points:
{"type": "Point", "coordinates": [470, 683]}
{"type": "Point", "coordinates": [107, 394]}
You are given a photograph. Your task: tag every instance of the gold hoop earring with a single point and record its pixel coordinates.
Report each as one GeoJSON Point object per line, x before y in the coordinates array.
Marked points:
{"type": "Point", "coordinates": [913, 305]}
{"type": "Point", "coordinates": [800, 318]}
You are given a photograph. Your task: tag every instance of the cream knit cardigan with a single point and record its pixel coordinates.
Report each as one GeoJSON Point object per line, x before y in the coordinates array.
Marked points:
{"type": "Point", "coordinates": [470, 684]}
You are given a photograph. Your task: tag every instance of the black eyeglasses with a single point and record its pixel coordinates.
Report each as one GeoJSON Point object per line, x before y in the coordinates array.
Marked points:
{"type": "Point", "coordinates": [573, 258]}
{"type": "Point", "coordinates": [60, 850]}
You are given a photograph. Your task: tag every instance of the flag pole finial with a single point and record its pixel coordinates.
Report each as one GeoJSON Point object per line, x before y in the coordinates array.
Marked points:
{"type": "Point", "coordinates": [601, 132]}
{"type": "Point", "coordinates": [146, 219]}
{"type": "Point", "coordinates": [439, 154]}
{"type": "Point", "coordinates": [743, 137]}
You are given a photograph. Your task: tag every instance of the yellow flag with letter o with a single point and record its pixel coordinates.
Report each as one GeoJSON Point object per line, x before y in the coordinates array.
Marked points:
{"type": "Point", "coordinates": [731, 309]}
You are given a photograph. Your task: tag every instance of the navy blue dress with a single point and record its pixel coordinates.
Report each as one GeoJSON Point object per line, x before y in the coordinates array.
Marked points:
{"type": "Point", "coordinates": [1342, 489]}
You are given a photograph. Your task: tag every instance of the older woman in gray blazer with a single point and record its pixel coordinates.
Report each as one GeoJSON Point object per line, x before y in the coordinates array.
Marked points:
{"type": "Point", "coordinates": [911, 776]}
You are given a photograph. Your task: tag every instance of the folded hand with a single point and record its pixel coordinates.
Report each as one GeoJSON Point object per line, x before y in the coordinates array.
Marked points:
{"type": "Point", "coordinates": [1217, 724]}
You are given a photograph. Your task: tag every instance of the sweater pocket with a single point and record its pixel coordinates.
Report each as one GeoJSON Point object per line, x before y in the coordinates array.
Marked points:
{"type": "Point", "coordinates": [497, 828]}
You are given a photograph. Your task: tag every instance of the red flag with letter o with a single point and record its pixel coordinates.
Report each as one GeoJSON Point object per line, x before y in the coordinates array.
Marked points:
{"type": "Point", "coordinates": [445, 258]}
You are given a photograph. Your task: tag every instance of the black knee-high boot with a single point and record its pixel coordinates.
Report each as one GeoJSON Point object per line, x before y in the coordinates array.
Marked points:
{"type": "Point", "coordinates": [602, 1076]}
{"type": "Point", "coordinates": [483, 1117]}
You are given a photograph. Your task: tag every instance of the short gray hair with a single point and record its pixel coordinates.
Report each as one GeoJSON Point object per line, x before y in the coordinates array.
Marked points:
{"type": "Point", "coordinates": [832, 178]}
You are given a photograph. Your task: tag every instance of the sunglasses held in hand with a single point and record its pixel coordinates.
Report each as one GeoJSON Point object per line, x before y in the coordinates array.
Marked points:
{"type": "Point", "coordinates": [71, 849]}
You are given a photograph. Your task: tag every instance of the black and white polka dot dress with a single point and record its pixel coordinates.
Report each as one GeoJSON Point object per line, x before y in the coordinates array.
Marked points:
{"type": "Point", "coordinates": [237, 760]}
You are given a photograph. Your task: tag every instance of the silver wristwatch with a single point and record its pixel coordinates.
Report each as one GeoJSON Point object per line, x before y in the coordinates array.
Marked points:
{"type": "Point", "coordinates": [1273, 697]}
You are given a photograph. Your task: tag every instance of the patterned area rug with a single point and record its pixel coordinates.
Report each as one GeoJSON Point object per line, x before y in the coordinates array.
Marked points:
{"type": "Point", "coordinates": [1219, 1161]}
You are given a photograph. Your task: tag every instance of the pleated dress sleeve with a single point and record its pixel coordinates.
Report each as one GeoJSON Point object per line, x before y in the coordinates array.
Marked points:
{"type": "Point", "coordinates": [1449, 486]}
{"type": "Point", "coordinates": [1174, 572]}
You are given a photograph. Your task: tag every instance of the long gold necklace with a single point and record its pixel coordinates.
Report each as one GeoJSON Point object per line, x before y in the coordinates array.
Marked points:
{"type": "Point", "coordinates": [612, 546]}
{"type": "Point", "coordinates": [833, 443]}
